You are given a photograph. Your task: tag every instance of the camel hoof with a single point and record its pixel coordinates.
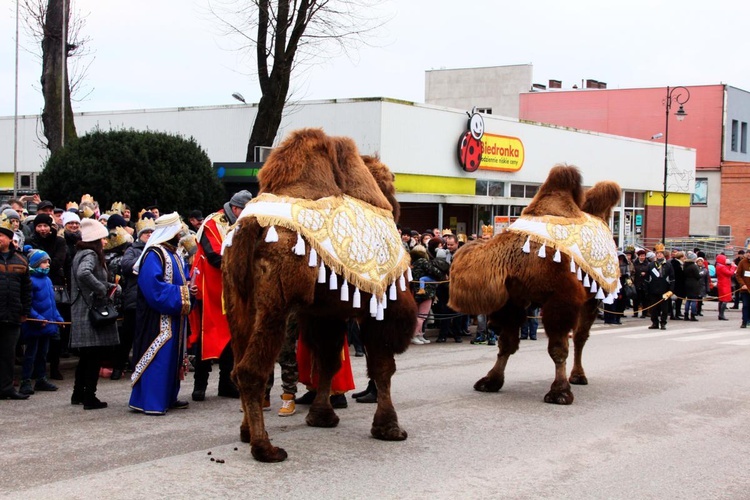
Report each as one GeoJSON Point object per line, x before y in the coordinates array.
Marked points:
{"type": "Point", "coordinates": [388, 433]}
{"type": "Point", "coordinates": [244, 434]}
{"type": "Point", "coordinates": [579, 379]}
{"type": "Point", "coordinates": [559, 397]}
{"type": "Point", "coordinates": [486, 384]}
{"type": "Point", "coordinates": [322, 418]}
{"type": "Point", "coordinates": [268, 454]}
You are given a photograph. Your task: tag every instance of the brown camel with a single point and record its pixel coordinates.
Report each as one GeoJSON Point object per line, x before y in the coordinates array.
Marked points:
{"type": "Point", "coordinates": [271, 271]}
{"type": "Point", "coordinates": [504, 275]}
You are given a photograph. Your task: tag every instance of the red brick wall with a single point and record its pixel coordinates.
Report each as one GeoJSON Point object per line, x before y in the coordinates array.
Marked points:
{"type": "Point", "coordinates": [735, 201]}
{"type": "Point", "coordinates": [678, 222]}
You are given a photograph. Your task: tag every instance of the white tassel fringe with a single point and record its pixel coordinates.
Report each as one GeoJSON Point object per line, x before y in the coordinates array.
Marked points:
{"type": "Point", "coordinates": [313, 261]}
{"type": "Point", "coordinates": [322, 273]}
{"type": "Point", "coordinates": [557, 257]}
{"type": "Point", "coordinates": [345, 292]}
{"type": "Point", "coordinates": [373, 306]}
{"type": "Point", "coordinates": [299, 248]}
{"type": "Point", "coordinates": [356, 299]}
{"type": "Point", "coordinates": [392, 291]}
{"type": "Point", "coordinates": [333, 284]}
{"type": "Point", "coordinates": [527, 246]}
{"type": "Point", "coordinates": [272, 236]}
{"type": "Point", "coordinates": [402, 283]}
{"type": "Point", "coordinates": [542, 252]}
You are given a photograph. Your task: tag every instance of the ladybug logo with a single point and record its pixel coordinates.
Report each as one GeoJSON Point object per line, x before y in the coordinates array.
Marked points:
{"type": "Point", "coordinates": [470, 144]}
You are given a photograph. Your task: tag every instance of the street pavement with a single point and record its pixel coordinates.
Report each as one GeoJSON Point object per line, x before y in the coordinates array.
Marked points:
{"type": "Point", "coordinates": [665, 415]}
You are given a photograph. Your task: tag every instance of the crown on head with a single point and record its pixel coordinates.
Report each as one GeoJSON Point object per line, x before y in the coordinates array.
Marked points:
{"type": "Point", "coordinates": [447, 231]}
{"type": "Point", "coordinates": [488, 230]}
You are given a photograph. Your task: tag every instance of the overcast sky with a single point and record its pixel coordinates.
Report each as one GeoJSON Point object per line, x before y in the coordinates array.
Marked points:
{"type": "Point", "coordinates": [168, 53]}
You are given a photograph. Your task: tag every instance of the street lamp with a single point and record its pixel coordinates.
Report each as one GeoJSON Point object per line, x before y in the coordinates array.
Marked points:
{"type": "Point", "coordinates": [680, 99]}
{"type": "Point", "coordinates": [239, 97]}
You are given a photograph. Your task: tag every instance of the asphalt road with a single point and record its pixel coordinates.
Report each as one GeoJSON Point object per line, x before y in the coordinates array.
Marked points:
{"type": "Point", "coordinates": [665, 415]}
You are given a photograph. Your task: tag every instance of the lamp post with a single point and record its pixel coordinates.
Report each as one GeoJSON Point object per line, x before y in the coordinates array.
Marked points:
{"type": "Point", "coordinates": [676, 94]}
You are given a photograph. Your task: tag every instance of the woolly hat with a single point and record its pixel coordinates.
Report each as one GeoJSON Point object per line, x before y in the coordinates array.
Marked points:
{"type": "Point", "coordinates": [650, 255]}
{"type": "Point", "coordinates": [11, 214]}
{"type": "Point", "coordinates": [36, 257]}
{"type": "Point", "coordinates": [691, 256]}
{"type": "Point", "coordinates": [92, 230]}
{"type": "Point", "coordinates": [116, 220]}
{"type": "Point", "coordinates": [42, 219]}
{"type": "Point", "coordinates": [240, 198]}
{"type": "Point", "coordinates": [70, 217]}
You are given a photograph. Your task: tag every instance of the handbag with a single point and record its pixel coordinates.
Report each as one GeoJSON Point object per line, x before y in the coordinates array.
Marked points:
{"type": "Point", "coordinates": [102, 314]}
{"type": "Point", "coordinates": [62, 295]}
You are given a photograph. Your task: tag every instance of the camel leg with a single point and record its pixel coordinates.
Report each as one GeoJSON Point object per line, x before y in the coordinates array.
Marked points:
{"type": "Point", "coordinates": [559, 316]}
{"type": "Point", "coordinates": [510, 318]}
{"type": "Point", "coordinates": [252, 368]}
{"type": "Point", "coordinates": [580, 336]}
{"type": "Point", "coordinates": [325, 339]}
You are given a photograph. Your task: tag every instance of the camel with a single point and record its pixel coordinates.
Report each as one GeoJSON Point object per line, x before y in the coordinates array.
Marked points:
{"type": "Point", "coordinates": [272, 269]}
{"type": "Point", "coordinates": [506, 274]}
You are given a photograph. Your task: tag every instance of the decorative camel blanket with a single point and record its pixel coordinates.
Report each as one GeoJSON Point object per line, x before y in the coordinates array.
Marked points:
{"type": "Point", "coordinates": [587, 240]}
{"type": "Point", "coordinates": [356, 240]}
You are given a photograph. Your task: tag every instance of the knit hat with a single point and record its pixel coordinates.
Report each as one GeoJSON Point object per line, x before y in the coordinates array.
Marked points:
{"type": "Point", "coordinates": [691, 256]}
{"type": "Point", "coordinates": [42, 219]}
{"type": "Point", "coordinates": [11, 214]}
{"type": "Point", "coordinates": [650, 255]}
{"type": "Point", "coordinates": [36, 257]}
{"type": "Point", "coordinates": [116, 220]}
{"type": "Point", "coordinates": [70, 217]}
{"type": "Point", "coordinates": [92, 230]}
{"type": "Point", "coordinates": [240, 198]}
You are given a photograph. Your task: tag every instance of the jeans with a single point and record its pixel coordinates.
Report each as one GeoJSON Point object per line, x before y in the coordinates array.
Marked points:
{"type": "Point", "coordinates": [691, 307]}
{"type": "Point", "coordinates": [9, 334]}
{"type": "Point", "coordinates": [745, 297]}
{"type": "Point", "coordinates": [35, 358]}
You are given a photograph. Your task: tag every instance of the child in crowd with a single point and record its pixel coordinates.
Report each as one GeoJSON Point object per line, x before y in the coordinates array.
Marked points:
{"type": "Point", "coordinates": [37, 332]}
{"type": "Point", "coordinates": [440, 254]}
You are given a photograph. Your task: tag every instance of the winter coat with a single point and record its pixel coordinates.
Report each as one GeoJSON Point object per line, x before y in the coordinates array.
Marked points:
{"type": "Point", "coordinates": [89, 286]}
{"type": "Point", "coordinates": [660, 278]}
{"type": "Point", "coordinates": [71, 239]}
{"type": "Point", "coordinates": [55, 247]}
{"type": "Point", "coordinates": [15, 287]}
{"type": "Point", "coordinates": [742, 276]}
{"type": "Point", "coordinates": [724, 275]}
{"type": "Point", "coordinates": [42, 308]}
{"type": "Point", "coordinates": [692, 276]}
{"type": "Point", "coordinates": [705, 281]}
{"type": "Point", "coordinates": [679, 277]}
{"type": "Point", "coordinates": [129, 280]}
{"type": "Point", "coordinates": [640, 274]}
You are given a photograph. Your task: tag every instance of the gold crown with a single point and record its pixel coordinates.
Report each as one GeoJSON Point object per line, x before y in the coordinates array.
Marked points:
{"type": "Point", "coordinates": [658, 247]}
{"type": "Point", "coordinates": [71, 204]}
{"type": "Point", "coordinates": [86, 209]}
{"type": "Point", "coordinates": [87, 198]}
{"type": "Point", "coordinates": [117, 237]}
{"type": "Point", "coordinates": [447, 231]}
{"type": "Point", "coordinates": [462, 238]}
{"type": "Point", "coordinates": [118, 207]}
{"type": "Point", "coordinates": [5, 222]}
{"type": "Point", "coordinates": [488, 230]}
{"type": "Point", "coordinates": [143, 225]}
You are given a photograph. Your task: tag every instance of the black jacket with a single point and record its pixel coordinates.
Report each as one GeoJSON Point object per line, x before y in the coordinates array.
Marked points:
{"type": "Point", "coordinates": [692, 277]}
{"type": "Point", "coordinates": [15, 287]}
{"type": "Point", "coordinates": [660, 278]}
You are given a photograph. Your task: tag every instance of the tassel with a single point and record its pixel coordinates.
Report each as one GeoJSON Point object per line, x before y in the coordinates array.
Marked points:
{"type": "Point", "coordinates": [409, 276]}
{"type": "Point", "coordinates": [609, 299]}
{"type": "Point", "coordinates": [356, 299]}
{"type": "Point", "coordinates": [593, 286]}
{"type": "Point", "coordinates": [600, 294]}
{"type": "Point", "coordinates": [373, 306]}
{"type": "Point", "coordinates": [572, 265]}
{"type": "Point", "coordinates": [272, 236]}
{"type": "Point", "coordinates": [333, 283]}
{"type": "Point", "coordinates": [227, 241]}
{"type": "Point", "coordinates": [313, 258]}
{"type": "Point", "coordinates": [380, 314]}
{"type": "Point", "coordinates": [322, 273]}
{"type": "Point", "coordinates": [586, 281]}
{"type": "Point", "coordinates": [402, 283]}
{"type": "Point", "coordinates": [392, 291]}
{"type": "Point", "coordinates": [383, 301]}
{"type": "Point", "coordinates": [578, 274]}
{"type": "Point", "coordinates": [557, 257]}
{"type": "Point", "coordinates": [345, 292]}
{"type": "Point", "coordinates": [299, 248]}
{"type": "Point", "coordinates": [527, 246]}
{"type": "Point", "coordinates": [542, 252]}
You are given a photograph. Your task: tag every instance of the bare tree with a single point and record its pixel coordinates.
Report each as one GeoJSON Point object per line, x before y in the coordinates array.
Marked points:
{"type": "Point", "coordinates": [283, 33]}
{"type": "Point", "coordinates": [51, 26]}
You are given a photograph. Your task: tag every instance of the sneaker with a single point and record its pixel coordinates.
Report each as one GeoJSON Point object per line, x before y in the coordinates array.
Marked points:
{"type": "Point", "coordinates": [43, 384]}
{"type": "Point", "coordinates": [663, 327]}
{"type": "Point", "coordinates": [421, 292]}
{"type": "Point", "coordinates": [653, 327]}
{"type": "Point", "coordinates": [288, 407]}
{"type": "Point", "coordinates": [492, 341]}
{"type": "Point", "coordinates": [424, 340]}
{"type": "Point", "coordinates": [479, 339]}
{"type": "Point", "coordinates": [416, 341]}
{"type": "Point", "coordinates": [26, 388]}
{"type": "Point", "coordinates": [267, 403]}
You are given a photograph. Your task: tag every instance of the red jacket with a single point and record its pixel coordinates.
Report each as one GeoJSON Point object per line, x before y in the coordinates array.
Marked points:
{"type": "Point", "coordinates": [724, 274]}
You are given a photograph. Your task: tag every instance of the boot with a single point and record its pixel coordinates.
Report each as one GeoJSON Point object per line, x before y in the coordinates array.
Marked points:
{"type": "Point", "coordinates": [227, 389]}
{"type": "Point", "coordinates": [692, 317]}
{"type": "Point", "coordinates": [199, 392]}
{"type": "Point", "coordinates": [722, 308]}
{"type": "Point", "coordinates": [288, 407]}
{"type": "Point", "coordinates": [370, 387]}
{"type": "Point", "coordinates": [26, 387]}
{"type": "Point", "coordinates": [687, 317]}
{"type": "Point", "coordinates": [43, 384]}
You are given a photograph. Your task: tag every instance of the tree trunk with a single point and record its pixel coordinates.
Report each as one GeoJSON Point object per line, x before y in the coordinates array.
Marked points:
{"type": "Point", "coordinates": [56, 130]}
{"type": "Point", "coordinates": [270, 110]}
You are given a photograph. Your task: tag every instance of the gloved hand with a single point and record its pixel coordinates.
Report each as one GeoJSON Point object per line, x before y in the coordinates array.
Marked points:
{"type": "Point", "coordinates": [667, 295]}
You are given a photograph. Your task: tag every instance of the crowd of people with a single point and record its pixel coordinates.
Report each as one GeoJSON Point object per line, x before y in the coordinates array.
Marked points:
{"type": "Point", "coordinates": [143, 295]}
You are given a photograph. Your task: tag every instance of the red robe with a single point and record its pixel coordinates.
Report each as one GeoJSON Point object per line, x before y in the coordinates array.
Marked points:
{"type": "Point", "coordinates": [209, 322]}
{"type": "Point", "coordinates": [342, 382]}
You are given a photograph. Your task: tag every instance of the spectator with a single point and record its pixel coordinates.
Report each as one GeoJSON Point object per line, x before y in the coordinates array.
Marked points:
{"type": "Point", "coordinates": [15, 306]}
{"type": "Point", "coordinates": [640, 269]}
{"type": "Point", "coordinates": [423, 266]}
{"type": "Point", "coordinates": [659, 283]}
{"type": "Point", "coordinates": [705, 282]}
{"type": "Point", "coordinates": [195, 219]}
{"type": "Point", "coordinates": [692, 277]}
{"type": "Point", "coordinates": [735, 285]}
{"type": "Point", "coordinates": [36, 331]}
{"type": "Point", "coordinates": [679, 284]}
{"type": "Point", "coordinates": [452, 322]}
{"type": "Point", "coordinates": [724, 273]}
{"type": "Point", "coordinates": [743, 279]}
{"type": "Point", "coordinates": [531, 325]}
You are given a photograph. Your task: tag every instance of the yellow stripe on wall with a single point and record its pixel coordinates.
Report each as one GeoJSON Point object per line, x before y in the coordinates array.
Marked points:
{"type": "Point", "coordinates": [673, 199]}
{"type": "Point", "coordinates": [6, 180]}
{"type": "Point", "coordinates": [412, 183]}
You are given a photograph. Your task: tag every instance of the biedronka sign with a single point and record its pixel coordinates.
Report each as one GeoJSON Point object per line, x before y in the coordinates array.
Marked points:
{"type": "Point", "coordinates": [480, 150]}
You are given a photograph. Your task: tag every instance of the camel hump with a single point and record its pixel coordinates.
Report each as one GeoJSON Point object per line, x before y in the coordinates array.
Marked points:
{"type": "Point", "coordinates": [601, 198]}
{"type": "Point", "coordinates": [561, 194]}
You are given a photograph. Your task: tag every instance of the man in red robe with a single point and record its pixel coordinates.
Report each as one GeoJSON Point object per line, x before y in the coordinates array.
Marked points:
{"type": "Point", "coordinates": [208, 324]}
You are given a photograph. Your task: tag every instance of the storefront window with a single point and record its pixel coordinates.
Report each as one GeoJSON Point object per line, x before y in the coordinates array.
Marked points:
{"type": "Point", "coordinates": [523, 190]}
{"type": "Point", "coordinates": [496, 188]}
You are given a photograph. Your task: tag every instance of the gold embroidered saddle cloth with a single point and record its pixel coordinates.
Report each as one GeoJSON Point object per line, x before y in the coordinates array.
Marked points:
{"type": "Point", "coordinates": [587, 240]}
{"type": "Point", "coordinates": [356, 240]}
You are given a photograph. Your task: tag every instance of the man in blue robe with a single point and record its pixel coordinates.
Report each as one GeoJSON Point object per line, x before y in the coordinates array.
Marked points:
{"type": "Point", "coordinates": [161, 321]}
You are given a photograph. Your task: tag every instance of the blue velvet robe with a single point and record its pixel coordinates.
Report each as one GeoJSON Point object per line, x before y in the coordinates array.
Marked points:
{"type": "Point", "coordinates": [161, 328]}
